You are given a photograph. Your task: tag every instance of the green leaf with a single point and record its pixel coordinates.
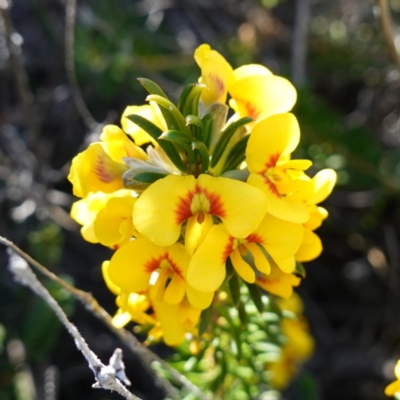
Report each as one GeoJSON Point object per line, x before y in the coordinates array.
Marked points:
{"type": "Point", "coordinates": [184, 96]}
{"type": "Point", "coordinates": [173, 117]}
{"type": "Point", "coordinates": [152, 87]}
{"type": "Point", "coordinates": [176, 136]}
{"type": "Point", "coordinates": [208, 121]}
{"type": "Point", "coordinates": [243, 315]}
{"type": "Point", "coordinates": [148, 177]}
{"type": "Point", "coordinates": [205, 319]}
{"type": "Point", "coordinates": [300, 270]}
{"type": "Point", "coordinates": [256, 296]}
{"type": "Point", "coordinates": [192, 102]}
{"type": "Point", "coordinates": [204, 155]}
{"type": "Point", "coordinates": [237, 154]}
{"type": "Point", "coordinates": [181, 139]}
{"type": "Point", "coordinates": [226, 137]}
{"type": "Point", "coordinates": [155, 132]}
{"type": "Point", "coordinates": [234, 286]}
{"type": "Point", "coordinates": [194, 120]}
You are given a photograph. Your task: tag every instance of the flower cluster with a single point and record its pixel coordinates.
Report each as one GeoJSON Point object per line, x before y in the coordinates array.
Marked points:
{"type": "Point", "coordinates": [210, 198]}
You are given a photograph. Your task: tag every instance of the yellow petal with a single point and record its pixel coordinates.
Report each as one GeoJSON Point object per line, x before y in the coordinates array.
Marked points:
{"type": "Point", "coordinates": [168, 316]}
{"type": "Point", "coordinates": [310, 248]}
{"type": "Point", "coordinates": [260, 96]}
{"type": "Point", "coordinates": [196, 231]}
{"type": "Point", "coordinates": [175, 291]}
{"type": "Point", "coordinates": [166, 204]}
{"type": "Point", "coordinates": [270, 139]}
{"type": "Point", "coordinates": [121, 318]}
{"type": "Point", "coordinates": [216, 74]}
{"type": "Point", "coordinates": [95, 171]}
{"type": "Point", "coordinates": [206, 270]}
{"type": "Point", "coordinates": [148, 111]}
{"type": "Point", "coordinates": [132, 264]}
{"type": "Point", "coordinates": [392, 388]}
{"type": "Point", "coordinates": [281, 239]}
{"type": "Point", "coordinates": [109, 283]}
{"type": "Point", "coordinates": [107, 225]}
{"type": "Point", "coordinates": [161, 209]}
{"type": "Point", "coordinates": [242, 268]}
{"type": "Point", "coordinates": [118, 145]}
{"type": "Point", "coordinates": [260, 260]}
{"type": "Point", "coordinates": [323, 184]}
{"type": "Point", "coordinates": [287, 265]}
{"type": "Point", "coordinates": [280, 206]}
{"type": "Point", "coordinates": [278, 283]}
{"type": "Point", "coordinates": [240, 207]}
{"type": "Point", "coordinates": [201, 300]}
{"type": "Point", "coordinates": [317, 216]}
{"type": "Point", "coordinates": [251, 70]}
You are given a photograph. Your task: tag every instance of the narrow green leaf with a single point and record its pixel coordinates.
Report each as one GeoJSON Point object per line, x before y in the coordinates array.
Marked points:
{"type": "Point", "coordinates": [152, 87]}
{"type": "Point", "coordinates": [155, 132]}
{"type": "Point", "coordinates": [229, 269]}
{"type": "Point", "coordinates": [237, 154]}
{"type": "Point", "coordinates": [300, 270]}
{"type": "Point", "coordinates": [176, 119]}
{"type": "Point", "coordinates": [148, 177]}
{"type": "Point", "coordinates": [243, 315]}
{"type": "Point", "coordinates": [192, 102]}
{"type": "Point", "coordinates": [255, 295]}
{"type": "Point", "coordinates": [205, 319]}
{"type": "Point", "coordinates": [181, 139]}
{"type": "Point", "coordinates": [208, 121]}
{"type": "Point", "coordinates": [234, 287]}
{"type": "Point", "coordinates": [226, 137]}
{"type": "Point", "coordinates": [184, 96]}
{"type": "Point", "coordinates": [176, 136]}
{"type": "Point", "coordinates": [204, 155]}
{"type": "Point", "coordinates": [194, 120]}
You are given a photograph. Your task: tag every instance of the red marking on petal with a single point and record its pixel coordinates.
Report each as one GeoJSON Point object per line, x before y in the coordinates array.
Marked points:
{"type": "Point", "coordinates": [272, 188]}
{"type": "Point", "coordinates": [155, 262]}
{"type": "Point", "coordinates": [252, 110]}
{"type": "Point", "coordinates": [100, 169]}
{"type": "Point", "coordinates": [228, 249]}
{"type": "Point", "coordinates": [254, 238]}
{"type": "Point", "coordinates": [183, 211]}
{"type": "Point", "coordinates": [273, 159]}
{"type": "Point", "coordinates": [218, 82]}
{"type": "Point", "coordinates": [261, 279]}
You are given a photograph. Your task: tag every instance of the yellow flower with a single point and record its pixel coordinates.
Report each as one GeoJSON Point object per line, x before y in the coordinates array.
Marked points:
{"type": "Point", "coordinates": [176, 320]}
{"type": "Point", "coordinates": [315, 192]}
{"type": "Point", "coordinates": [255, 91]}
{"type": "Point", "coordinates": [258, 94]}
{"type": "Point", "coordinates": [310, 248]}
{"type": "Point", "coordinates": [100, 167]}
{"type": "Point", "coordinates": [106, 218]}
{"type": "Point", "coordinates": [394, 387]}
{"type": "Point", "coordinates": [280, 239]}
{"type": "Point", "coordinates": [268, 159]}
{"type": "Point", "coordinates": [168, 203]}
{"type": "Point", "coordinates": [148, 111]}
{"type": "Point", "coordinates": [278, 282]}
{"type": "Point", "coordinates": [216, 74]}
{"type": "Point", "coordinates": [140, 265]}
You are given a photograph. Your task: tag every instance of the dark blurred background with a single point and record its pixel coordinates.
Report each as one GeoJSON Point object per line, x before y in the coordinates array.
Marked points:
{"type": "Point", "coordinates": [349, 111]}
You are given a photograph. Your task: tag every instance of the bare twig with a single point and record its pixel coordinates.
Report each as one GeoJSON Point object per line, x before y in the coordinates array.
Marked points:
{"type": "Point", "coordinates": [299, 42]}
{"type": "Point", "coordinates": [91, 304]}
{"type": "Point", "coordinates": [22, 81]}
{"type": "Point", "coordinates": [107, 376]}
{"type": "Point", "coordinates": [386, 25]}
{"type": "Point", "coordinates": [86, 115]}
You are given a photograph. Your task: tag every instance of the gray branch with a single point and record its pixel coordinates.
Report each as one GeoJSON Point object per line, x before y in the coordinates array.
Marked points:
{"type": "Point", "coordinates": [107, 376]}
